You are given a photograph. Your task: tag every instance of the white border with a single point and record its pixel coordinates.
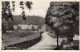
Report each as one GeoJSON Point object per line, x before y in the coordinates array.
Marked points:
{"type": "Point", "coordinates": [37, 50]}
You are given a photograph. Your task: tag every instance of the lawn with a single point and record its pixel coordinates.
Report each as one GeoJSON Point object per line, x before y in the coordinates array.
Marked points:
{"type": "Point", "coordinates": [14, 37]}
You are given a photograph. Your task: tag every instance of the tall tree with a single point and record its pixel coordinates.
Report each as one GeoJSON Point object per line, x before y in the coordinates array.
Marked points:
{"type": "Point", "coordinates": [21, 4]}
{"type": "Point", "coordinates": [23, 15]}
{"type": "Point", "coordinates": [6, 13]}
{"type": "Point", "coordinates": [61, 17]}
{"type": "Point", "coordinates": [13, 4]}
{"type": "Point", "coordinates": [28, 4]}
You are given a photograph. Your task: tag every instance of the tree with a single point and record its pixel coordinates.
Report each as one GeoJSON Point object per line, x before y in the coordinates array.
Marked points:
{"type": "Point", "coordinates": [23, 15]}
{"type": "Point", "coordinates": [13, 4]}
{"type": "Point", "coordinates": [28, 4]}
{"type": "Point", "coordinates": [6, 14]}
{"type": "Point", "coordinates": [6, 11]}
{"type": "Point", "coordinates": [61, 17]}
{"type": "Point", "coordinates": [21, 4]}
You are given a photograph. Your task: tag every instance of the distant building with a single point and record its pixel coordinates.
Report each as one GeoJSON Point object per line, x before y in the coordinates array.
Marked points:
{"type": "Point", "coordinates": [42, 28]}
{"type": "Point", "coordinates": [39, 28]}
{"type": "Point", "coordinates": [25, 26]}
{"type": "Point", "coordinates": [35, 26]}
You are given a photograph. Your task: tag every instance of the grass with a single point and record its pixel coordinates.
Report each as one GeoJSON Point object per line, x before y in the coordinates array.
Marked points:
{"type": "Point", "coordinates": [17, 37]}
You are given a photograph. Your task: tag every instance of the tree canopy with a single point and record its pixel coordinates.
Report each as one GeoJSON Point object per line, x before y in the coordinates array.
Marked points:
{"type": "Point", "coordinates": [63, 17]}
{"type": "Point", "coordinates": [28, 4]}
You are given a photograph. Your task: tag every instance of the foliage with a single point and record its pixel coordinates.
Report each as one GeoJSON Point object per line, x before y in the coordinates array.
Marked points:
{"type": "Point", "coordinates": [6, 15]}
{"type": "Point", "coordinates": [63, 17]}
{"type": "Point", "coordinates": [28, 4]}
{"type": "Point", "coordinates": [21, 3]}
{"type": "Point", "coordinates": [35, 20]}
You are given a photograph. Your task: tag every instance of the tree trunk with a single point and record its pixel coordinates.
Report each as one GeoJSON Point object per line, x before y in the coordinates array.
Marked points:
{"type": "Point", "coordinates": [57, 42]}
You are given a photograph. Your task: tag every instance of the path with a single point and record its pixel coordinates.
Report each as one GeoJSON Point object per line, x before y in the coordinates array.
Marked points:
{"type": "Point", "coordinates": [46, 43]}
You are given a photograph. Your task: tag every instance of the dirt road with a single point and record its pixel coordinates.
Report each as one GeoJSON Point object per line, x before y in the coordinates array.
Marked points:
{"type": "Point", "coordinates": [46, 43]}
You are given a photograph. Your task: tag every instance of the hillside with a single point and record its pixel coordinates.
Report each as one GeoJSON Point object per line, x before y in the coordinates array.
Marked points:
{"type": "Point", "coordinates": [35, 20]}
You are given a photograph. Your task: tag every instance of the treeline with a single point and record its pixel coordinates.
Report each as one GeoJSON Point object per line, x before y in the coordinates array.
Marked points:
{"type": "Point", "coordinates": [34, 20]}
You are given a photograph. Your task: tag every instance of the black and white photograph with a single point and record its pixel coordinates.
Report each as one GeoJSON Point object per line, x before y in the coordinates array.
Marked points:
{"type": "Point", "coordinates": [39, 25]}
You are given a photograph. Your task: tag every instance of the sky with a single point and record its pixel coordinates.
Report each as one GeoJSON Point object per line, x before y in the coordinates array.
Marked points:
{"type": "Point", "coordinates": [39, 8]}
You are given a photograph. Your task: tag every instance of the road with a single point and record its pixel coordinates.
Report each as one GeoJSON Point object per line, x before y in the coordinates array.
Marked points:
{"type": "Point", "coordinates": [46, 43]}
